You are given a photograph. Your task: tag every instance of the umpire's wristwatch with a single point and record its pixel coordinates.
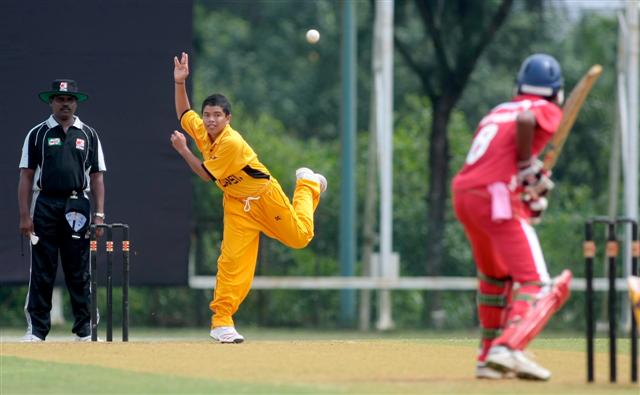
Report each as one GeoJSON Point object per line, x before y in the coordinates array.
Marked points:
{"type": "Point", "coordinates": [99, 215]}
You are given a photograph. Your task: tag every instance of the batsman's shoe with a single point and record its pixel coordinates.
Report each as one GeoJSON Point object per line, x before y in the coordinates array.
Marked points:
{"type": "Point", "coordinates": [31, 338]}
{"type": "Point", "coordinates": [308, 174]}
{"type": "Point", "coordinates": [226, 334]}
{"type": "Point", "coordinates": [527, 369]}
{"type": "Point", "coordinates": [486, 372]}
{"type": "Point", "coordinates": [505, 360]}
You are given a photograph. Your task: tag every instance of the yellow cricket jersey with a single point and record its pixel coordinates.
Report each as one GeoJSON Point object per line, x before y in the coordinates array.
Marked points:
{"type": "Point", "coordinates": [229, 159]}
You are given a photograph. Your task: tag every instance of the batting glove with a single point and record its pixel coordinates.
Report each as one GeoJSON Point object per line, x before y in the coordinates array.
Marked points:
{"type": "Point", "coordinates": [534, 180]}
{"type": "Point", "coordinates": [535, 208]}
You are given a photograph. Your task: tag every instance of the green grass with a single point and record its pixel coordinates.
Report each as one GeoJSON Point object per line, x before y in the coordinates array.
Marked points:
{"type": "Point", "coordinates": [62, 333]}
{"type": "Point", "coordinates": [24, 376]}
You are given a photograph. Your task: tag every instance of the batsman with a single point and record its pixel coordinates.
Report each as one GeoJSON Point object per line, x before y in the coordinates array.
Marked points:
{"type": "Point", "coordinates": [497, 194]}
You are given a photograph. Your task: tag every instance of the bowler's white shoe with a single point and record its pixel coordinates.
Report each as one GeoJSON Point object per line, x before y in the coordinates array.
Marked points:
{"type": "Point", "coordinates": [30, 338]}
{"type": "Point", "coordinates": [308, 174]}
{"type": "Point", "coordinates": [226, 334]}
{"type": "Point", "coordinates": [505, 360]}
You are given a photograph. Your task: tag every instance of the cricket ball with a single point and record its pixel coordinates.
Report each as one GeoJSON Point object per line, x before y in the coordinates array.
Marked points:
{"type": "Point", "coordinates": [313, 36]}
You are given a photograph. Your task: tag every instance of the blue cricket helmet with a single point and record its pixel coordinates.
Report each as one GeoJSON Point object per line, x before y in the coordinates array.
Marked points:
{"type": "Point", "coordinates": [540, 75]}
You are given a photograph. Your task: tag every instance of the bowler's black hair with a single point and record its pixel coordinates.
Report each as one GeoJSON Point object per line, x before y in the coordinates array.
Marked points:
{"type": "Point", "coordinates": [220, 100]}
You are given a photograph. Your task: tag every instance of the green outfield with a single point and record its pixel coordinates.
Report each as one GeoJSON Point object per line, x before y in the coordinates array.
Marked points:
{"type": "Point", "coordinates": [289, 362]}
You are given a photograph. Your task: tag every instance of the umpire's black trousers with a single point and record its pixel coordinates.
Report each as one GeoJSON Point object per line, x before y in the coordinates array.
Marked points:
{"type": "Point", "coordinates": [55, 238]}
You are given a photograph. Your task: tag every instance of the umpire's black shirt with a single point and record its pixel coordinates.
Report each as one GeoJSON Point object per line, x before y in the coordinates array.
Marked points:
{"type": "Point", "coordinates": [62, 161]}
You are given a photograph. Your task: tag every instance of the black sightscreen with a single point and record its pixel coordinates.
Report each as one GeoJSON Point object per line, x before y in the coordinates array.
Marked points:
{"type": "Point", "coordinates": [120, 52]}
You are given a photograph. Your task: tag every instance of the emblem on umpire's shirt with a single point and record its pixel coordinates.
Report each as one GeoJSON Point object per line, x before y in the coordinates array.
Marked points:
{"type": "Point", "coordinates": [80, 144]}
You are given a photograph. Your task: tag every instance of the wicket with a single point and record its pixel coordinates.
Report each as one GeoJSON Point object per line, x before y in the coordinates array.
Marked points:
{"type": "Point", "coordinates": [125, 280]}
{"type": "Point", "coordinates": [611, 252]}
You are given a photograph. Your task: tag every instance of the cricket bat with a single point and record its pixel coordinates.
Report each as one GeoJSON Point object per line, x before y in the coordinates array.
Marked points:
{"type": "Point", "coordinates": [570, 112]}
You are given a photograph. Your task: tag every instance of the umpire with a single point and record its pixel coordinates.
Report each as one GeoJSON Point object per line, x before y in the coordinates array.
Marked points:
{"type": "Point", "coordinates": [61, 162]}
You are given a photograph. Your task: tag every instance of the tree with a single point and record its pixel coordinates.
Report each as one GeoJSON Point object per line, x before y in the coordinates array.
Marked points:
{"type": "Point", "coordinates": [456, 35]}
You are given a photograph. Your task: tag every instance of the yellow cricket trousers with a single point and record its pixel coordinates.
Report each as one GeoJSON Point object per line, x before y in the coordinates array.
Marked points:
{"type": "Point", "coordinates": [270, 213]}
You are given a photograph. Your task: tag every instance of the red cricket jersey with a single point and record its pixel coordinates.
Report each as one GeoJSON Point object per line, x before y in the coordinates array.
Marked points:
{"type": "Point", "coordinates": [492, 156]}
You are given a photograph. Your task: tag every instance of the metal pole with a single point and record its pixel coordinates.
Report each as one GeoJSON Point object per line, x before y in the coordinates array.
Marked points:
{"type": "Point", "coordinates": [620, 149]}
{"type": "Point", "coordinates": [384, 92]}
{"type": "Point", "coordinates": [631, 165]}
{"type": "Point", "coordinates": [347, 186]}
